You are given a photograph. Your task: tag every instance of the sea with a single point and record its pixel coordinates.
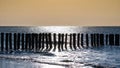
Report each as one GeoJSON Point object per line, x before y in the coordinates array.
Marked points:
{"type": "Point", "coordinates": [99, 57]}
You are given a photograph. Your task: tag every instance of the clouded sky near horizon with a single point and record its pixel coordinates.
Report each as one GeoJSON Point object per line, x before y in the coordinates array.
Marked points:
{"type": "Point", "coordinates": [60, 12]}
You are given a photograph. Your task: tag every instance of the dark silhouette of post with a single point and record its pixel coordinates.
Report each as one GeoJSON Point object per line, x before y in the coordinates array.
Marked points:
{"type": "Point", "coordinates": [82, 41]}
{"type": "Point", "coordinates": [50, 41]}
{"type": "Point", "coordinates": [30, 41]}
{"type": "Point", "coordinates": [15, 41]}
{"type": "Point", "coordinates": [40, 41]}
{"type": "Point", "coordinates": [10, 41]}
{"type": "Point", "coordinates": [92, 39]}
{"type": "Point", "coordinates": [32, 46]}
{"type": "Point", "coordinates": [66, 37]}
{"type": "Point", "coordinates": [62, 42]}
{"type": "Point", "coordinates": [117, 39]}
{"type": "Point", "coordinates": [101, 39]}
{"type": "Point", "coordinates": [87, 40]}
{"type": "Point", "coordinates": [54, 38]}
{"type": "Point", "coordinates": [59, 42]}
{"type": "Point", "coordinates": [74, 41]}
{"type": "Point", "coordinates": [111, 39]}
{"type": "Point", "coordinates": [2, 41]}
{"type": "Point", "coordinates": [71, 41]}
{"type": "Point", "coordinates": [18, 41]}
{"type": "Point", "coordinates": [36, 42]}
{"type": "Point", "coordinates": [6, 42]}
{"type": "Point", "coordinates": [78, 40]}
{"type": "Point", "coordinates": [27, 42]}
{"type": "Point", "coordinates": [107, 39]}
{"type": "Point", "coordinates": [97, 39]}
{"type": "Point", "coordinates": [46, 42]}
{"type": "Point", "coordinates": [23, 41]}
{"type": "Point", "coordinates": [42, 46]}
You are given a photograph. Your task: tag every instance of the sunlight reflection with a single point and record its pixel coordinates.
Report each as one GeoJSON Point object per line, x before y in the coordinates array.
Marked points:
{"type": "Point", "coordinates": [58, 29]}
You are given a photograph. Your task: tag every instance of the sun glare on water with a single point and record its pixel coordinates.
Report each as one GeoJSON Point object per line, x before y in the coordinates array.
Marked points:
{"type": "Point", "coordinates": [57, 29]}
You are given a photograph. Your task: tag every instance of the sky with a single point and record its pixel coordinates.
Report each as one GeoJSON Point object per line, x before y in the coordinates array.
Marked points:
{"type": "Point", "coordinates": [59, 12]}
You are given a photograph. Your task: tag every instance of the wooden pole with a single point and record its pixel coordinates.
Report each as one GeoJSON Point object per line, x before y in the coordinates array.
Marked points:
{"type": "Point", "coordinates": [2, 42]}
{"type": "Point", "coordinates": [74, 41]}
{"type": "Point", "coordinates": [97, 39]}
{"type": "Point", "coordinates": [36, 42]}
{"type": "Point", "coordinates": [18, 41]}
{"type": "Point", "coordinates": [71, 41]}
{"type": "Point", "coordinates": [50, 41]}
{"type": "Point", "coordinates": [92, 44]}
{"type": "Point", "coordinates": [111, 39]}
{"type": "Point", "coordinates": [82, 41]}
{"type": "Point", "coordinates": [94, 39]}
{"type": "Point", "coordinates": [23, 41]}
{"type": "Point", "coordinates": [6, 42]}
{"type": "Point", "coordinates": [107, 39]}
{"type": "Point", "coordinates": [66, 41]}
{"type": "Point", "coordinates": [42, 46]}
{"type": "Point", "coordinates": [40, 41]}
{"type": "Point", "coordinates": [59, 42]}
{"type": "Point", "coordinates": [47, 45]}
{"type": "Point", "coordinates": [10, 41]}
{"type": "Point", "coordinates": [87, 41]}
{"type": "Point", "coordinates": [117, 39]}
{"type": "Point", "coordinates": [54, 38]}
{"type": "Point", "coordinates": [26, 42]}
{"type": "Point", "coordinates": [78, 40]}
{"type": "Point", "coordinates": [62, 42]}
{"type": "Point", "coordinates": [15, 41]}
{"type": "Point", "coordinates": [101, 39]}
{"type": "Point", "coordinates": [30, 41]}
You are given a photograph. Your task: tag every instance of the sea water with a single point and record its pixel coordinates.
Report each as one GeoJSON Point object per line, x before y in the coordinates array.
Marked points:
{"type": "Point", "coordinates": [103, 57]}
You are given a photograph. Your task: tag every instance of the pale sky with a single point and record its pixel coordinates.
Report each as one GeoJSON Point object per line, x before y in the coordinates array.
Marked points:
{"type": "Point", "coordinates": [59, 12]}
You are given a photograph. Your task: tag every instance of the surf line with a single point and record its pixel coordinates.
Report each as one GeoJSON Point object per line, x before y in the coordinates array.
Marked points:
{"type": "Point", "coordinates": [28, 58]}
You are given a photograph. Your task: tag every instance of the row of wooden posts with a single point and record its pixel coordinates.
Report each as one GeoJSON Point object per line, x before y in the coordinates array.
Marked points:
{"type": "Point", "coordinates": [39, 42]}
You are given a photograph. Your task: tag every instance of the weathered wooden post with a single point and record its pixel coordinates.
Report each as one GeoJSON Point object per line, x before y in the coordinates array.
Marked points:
{"type": "Point", "coordinates": [23, 41]}
{"type": "Point", "coordinates": [26, 42]}
{"type": "Point", "coordinates": [106, 39]}
{"type": "Point", "coordinates": [111, 39]}
{"type": "Point", "coordinates": [46, 41]}
{"type": "Point", "coordinates": [101, 39]}
{"type": "Point", "coordinates": [74, 41]}
{"type": "Point", "coordinates": [92, 44]}
{"type": "Point", "coordinates": [94, 39]}
{"type": "Point", "coordinates": [2, 42]}
{"type": "Point", "coordinates": [117, 39]}
{"type": "Point", "coordinates": [10, 41]}
{"type": "Point", "coordinates": [30, 41]}
{"type": "Point", "coordinates": [71, 41]}
{"type": "Point", "coordinates": [66, 41]}
{"type": "Point", "coordinates": [82, 41]}
{"type": "Point", "coordinates": [78, 40]}
{"type": "Point", "coordinates": [6, 42]}
{"type": "Point", "coordinates": [50, 41]}
{"type": "Point", "coordinates": [36, 42]}
{"type": "Point", "coordinates": [18, 41]}
{"type": "Point", "coordinates": [40, 41]}
{"type": "Point", "coordinates": [42, 46]}
{"type": "Point", "coordinates": [97, 39]}
{"type": "Point", "coordinates": [87, 40]}
{"type": "Point", "coordinates": [62, 42]}
{"type": "Point", "coordinates": [15, 41]}
{"type": "Point", "coordinates": [59, 42]}
{"type": "Point", "coordinates": [54, 38]}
